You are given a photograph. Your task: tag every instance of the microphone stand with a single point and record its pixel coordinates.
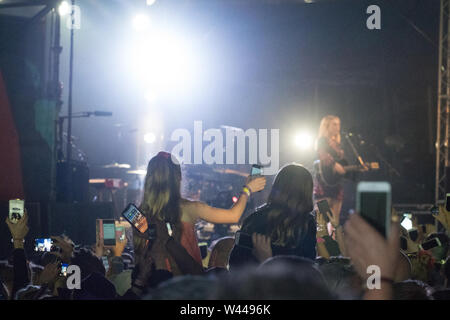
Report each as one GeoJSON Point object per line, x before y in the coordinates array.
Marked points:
{"type": "Point", "coordinates": [383, 160]}
{"type": "Point", "coordinates": [378, 154]}
{"type": "Point", "coordinates": [358, 156]}
{"type": "Point", "coordinates": [87, 114]}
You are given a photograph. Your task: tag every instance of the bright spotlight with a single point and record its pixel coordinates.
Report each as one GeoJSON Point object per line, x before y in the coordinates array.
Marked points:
{"type": "Point", "coordinates": [149, 137]}
{"type": "Point", "coordinates": [303, 140]}
{"type": "Point", "coordinates": [164, 62]}
{"type": "Point", "coordinates": [141, 22]}
{"type": "Point", "coordinates": [151, 96]}
{"type": "Point", "coordinates": [150, 2]}
{"type": "Point", "coordinates": [64, 8]}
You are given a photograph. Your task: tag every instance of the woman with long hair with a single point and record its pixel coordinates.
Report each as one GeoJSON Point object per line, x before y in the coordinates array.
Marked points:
{"type": "Point", "coordinates": [286, 219]}
{"type": "Point", "coordinates": [162, 202]}
{"type": "Point", "coordinates": [330, 153]}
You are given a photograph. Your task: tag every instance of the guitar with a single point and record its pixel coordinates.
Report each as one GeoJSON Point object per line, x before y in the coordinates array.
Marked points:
{"type": "Point", "coordinates": [330, 178]}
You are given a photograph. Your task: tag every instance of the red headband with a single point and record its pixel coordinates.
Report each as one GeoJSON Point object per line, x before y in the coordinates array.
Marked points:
{"type": "Point", "coordinates": [163, 154]}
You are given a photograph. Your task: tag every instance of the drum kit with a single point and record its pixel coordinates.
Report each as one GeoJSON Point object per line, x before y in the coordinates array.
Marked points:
{"type": "Point", "coordinates": [117, 183]}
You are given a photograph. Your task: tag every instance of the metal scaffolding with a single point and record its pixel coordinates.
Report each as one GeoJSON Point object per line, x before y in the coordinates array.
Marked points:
{"type": "Point", "coordinates": [442, 136]}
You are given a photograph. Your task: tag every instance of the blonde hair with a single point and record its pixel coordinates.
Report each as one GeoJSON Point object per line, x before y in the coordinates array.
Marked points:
{"type": "Point", "coordinates": [162, 195]}
{"type": "Point", "coordinates": [324, 128]}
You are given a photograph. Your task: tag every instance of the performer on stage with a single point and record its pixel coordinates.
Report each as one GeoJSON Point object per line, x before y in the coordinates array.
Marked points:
{"type": "Point", "coordinates": [330, 167]}
{"type": "Point", "coordinates": [328, 147]}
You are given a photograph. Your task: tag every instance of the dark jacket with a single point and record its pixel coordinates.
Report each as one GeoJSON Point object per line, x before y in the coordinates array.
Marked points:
{"type": "Point", "coordinates": [21, 279]}
{"type": "Point", "coordinates": [258, 222]}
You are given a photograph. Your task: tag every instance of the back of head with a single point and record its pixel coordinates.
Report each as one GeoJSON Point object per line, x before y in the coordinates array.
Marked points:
{"type": "Point", "coordinates": [184, 288]}
{"type": "Point", "coordinates": [162, 194]}
{"type": "Point", "coordinates": [403, 270]}
{"type": "Point", "coordinates": [220, 252]}
{"type": "Point", "coordinates": [95, 287]}
{"type": "Point", "coordinates": [88, 262]}
{"type": "Point", "coordinates": [412, 290]}
{"type": "Point", "coordinates": [342, 278]}
{"type": "Point", "coordinates": [291, 201]}
{"type": "Point", "coordinates": [282, 278]}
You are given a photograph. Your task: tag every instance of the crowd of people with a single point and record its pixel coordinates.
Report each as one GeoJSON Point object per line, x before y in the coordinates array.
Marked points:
{"type": "Point", "coordinates": [291, 253]}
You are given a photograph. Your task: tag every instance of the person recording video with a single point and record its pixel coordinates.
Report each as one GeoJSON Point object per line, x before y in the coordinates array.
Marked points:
{"type": "Point", "coordinates": [163, 205]}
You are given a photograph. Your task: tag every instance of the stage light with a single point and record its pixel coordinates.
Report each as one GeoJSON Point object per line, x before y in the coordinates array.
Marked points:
{"type": "Point", "coordinates": [150, 137]}
{"type": "Point", "coordinates": [235, 199]}
{"type": "Point", "coordinates": [303, 140]}
{"type": "Point", "coordinates": [141, 22]}
{"type": "Point", "coordinates": [64, 8]}
{"type": "Point", "coordinates": [151, 96]}
{"type": "Point", "coordinates": [164, 62]}
{"type": "Point", "coordinates": [150, 2]}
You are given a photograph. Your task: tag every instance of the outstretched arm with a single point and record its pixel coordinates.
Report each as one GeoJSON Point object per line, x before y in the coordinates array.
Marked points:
{"type": "Point", "coordinates": [200, 210]}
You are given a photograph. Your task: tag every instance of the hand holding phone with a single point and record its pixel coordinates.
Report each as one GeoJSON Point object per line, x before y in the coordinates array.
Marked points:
{"type": "Point", "coordinates": [256, 170]}
{"type": "Point", "coordinates": [324, 208]}
{"type": "Point", "coordinates": [16, 210]}
{"type": "Point", "coordinates": [243, 239]}
{"type": "Point", "coordinates": [20, 229]}
{"type": "Point", "coordinates": [105, 233]}
{"type": "Point", "coordinates": [43, 245]}
{"type": "Point", "coordinates": [63, 272]}
{"type": "Point", "coordinates": [137, 219]}
{"type": "Point", "coordinates": [430, 244]}
{"type": "Point", "coordinates": [373, 202]}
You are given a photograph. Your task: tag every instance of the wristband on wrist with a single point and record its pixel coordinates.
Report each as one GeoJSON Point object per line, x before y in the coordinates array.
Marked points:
{"type": "Point", "coordinates": [14, 240]}
{"type": "Point", "coordinates": [247, 191]}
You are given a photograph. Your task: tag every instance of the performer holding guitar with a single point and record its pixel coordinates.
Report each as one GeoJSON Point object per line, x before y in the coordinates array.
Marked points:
{"type": "Point", "coordinates": [331, 166]}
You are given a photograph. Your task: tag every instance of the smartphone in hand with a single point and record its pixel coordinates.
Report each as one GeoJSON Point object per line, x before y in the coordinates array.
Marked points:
{"type": "Point", "coordinates": [323, 207]}
{"type": "Point", "coordinates": [256, 170]}
{"type": "Point", "coordinates": [136, 218]}
{"type": "Point", "coordinates": [16, 210]}
{"type": "Point", "coordinates": [243, 239]}
{"type": "Point", "coordinates": [109, 232]}
{"type": "Point", "coordinates": [43, 245]}
{"type": "Point", "coordinates": [63, 272]}
{"type": "Point", "coordinates": [430, 244]}
{"type": "Point", "coordinates": [373, 202]}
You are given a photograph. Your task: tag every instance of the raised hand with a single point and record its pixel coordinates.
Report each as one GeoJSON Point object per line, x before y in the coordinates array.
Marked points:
{"type": "Point", "coordinates": [66, 246]}
{"type": "Point", "coordinates": [256, 184]}
{"type": "Point", "coordinates": [18, 230]}
{"type": "Point", "coordinates": [443, 217]}
{"type": "Point", "coordinates": [50, 273]}
{"type": "Point", "coordinates": [262, 248]}
{"type": "Point", "coordinates": [321, 225]}
{"type": "Point", "coordinates": [120, 246]}
{"type": "Point", "coordinates": [367, 247]}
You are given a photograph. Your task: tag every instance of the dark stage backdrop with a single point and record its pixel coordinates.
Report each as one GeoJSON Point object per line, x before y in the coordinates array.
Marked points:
{"type": "Point", "coordinates": [26, 108]}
